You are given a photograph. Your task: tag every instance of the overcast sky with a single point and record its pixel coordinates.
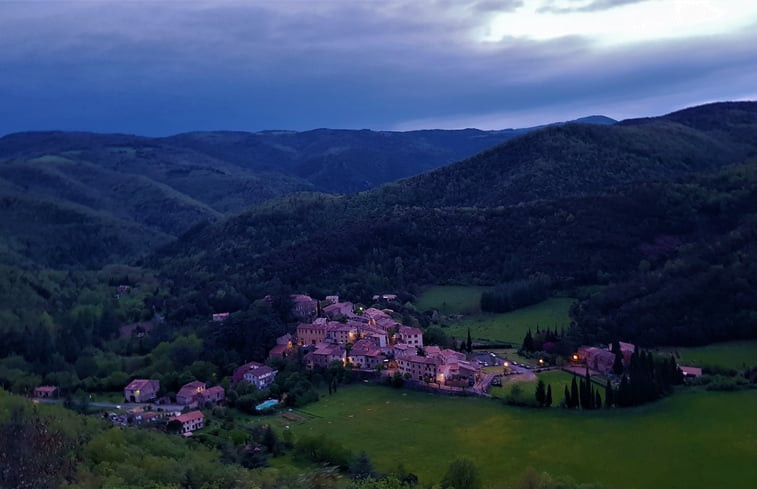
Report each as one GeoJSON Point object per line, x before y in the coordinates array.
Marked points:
{"type": "Point", "coordinates": [159, 68]}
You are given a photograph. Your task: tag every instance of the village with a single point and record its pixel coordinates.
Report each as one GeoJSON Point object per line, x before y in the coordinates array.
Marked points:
{"type": "Point", "coordinates": [368, 341]}
{"type": "Point", "coordinates": [371, 340]}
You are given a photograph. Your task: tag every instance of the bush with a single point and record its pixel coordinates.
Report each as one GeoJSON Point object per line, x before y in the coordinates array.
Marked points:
{"type": "Point", "coordinates": [720, 383]}
{"type": "Point", "coordinates": [322, 450]}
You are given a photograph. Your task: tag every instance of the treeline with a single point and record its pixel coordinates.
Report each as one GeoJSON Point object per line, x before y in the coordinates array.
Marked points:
{"type": "Point", "coordinates": [549, 341]}
{"type": "Point", "coordinates": [645, 379]}
{"type": "Point", "coordinates": [516, 294]}
{"type": "Point", "coordinates": [582, 394]}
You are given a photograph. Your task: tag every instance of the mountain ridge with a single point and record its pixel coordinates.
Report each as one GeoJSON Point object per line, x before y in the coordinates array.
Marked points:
{"type": "Point", "coordinates": [582, 199]}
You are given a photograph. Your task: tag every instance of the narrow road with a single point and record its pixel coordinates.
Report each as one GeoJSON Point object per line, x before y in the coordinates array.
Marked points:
{"type": "Point", "coordinates": [481, 386]}
{"type": "Point", "coordinates": [125, 406]}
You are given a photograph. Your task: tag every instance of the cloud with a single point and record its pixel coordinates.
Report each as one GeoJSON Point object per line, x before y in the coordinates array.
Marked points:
{"type": "Point", "coordinates": [166, 67]}
{"type": "Point", "coordinates": [489, 6]}
{"type": "Point", "coordinates": [565, 6]}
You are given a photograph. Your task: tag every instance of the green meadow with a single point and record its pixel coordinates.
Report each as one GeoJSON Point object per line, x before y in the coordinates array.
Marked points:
{"type": "Point", "coordinates": [556, 378]}
{"type": "Point", "coordinates": [451, 299]}
{"type": "Point", "coordinates": [729, 354]}
{"type": "Point", "coordinates": [512, 326]}
{"type": "Point", "coordinates": [693, 439]}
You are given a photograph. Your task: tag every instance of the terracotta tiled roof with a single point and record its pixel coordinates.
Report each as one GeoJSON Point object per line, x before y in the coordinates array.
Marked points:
{"type": "Point", "coordinates": [190, 416]}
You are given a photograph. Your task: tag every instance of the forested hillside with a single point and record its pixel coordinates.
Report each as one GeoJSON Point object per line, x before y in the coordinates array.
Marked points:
{"type": "Point", "coordinates": [112, 197]}
{"type": "Point", "coordinates": [582, 204]}
{"type": "Point", "coordinates": [577, 175]}
{"type": "Point", "coordinates": [705, 293]}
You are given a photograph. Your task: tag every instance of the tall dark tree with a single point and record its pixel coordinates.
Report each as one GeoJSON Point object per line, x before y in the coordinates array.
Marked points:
{"type": "Point", "coordinates": [608, 394]}
{"type": "Point", "coordinates": [617, 365]}
{"type": "Point", "coordinates": [528, 342]}
{"type": "Point", "coordinates": [548, 400]}
{"type": "Point", "coordinates": [568, 402]}
{"type": "Point", "coordinates": [541, 393]}
{"type": "Point", "coordinates": [624, 393]}
{"type": "Point", "coordinates": [469, 344]}
{"type": "Point", "coordinates": [574, 395]}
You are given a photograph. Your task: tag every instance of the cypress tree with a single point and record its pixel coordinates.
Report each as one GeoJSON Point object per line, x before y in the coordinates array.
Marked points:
{"type": "Point", "coordinates": [617, 365]}
{"type": "Point", "coordinates": [568, 401]}
{"type": "Point", "coordinates": [548, 401]}
{"type": "Point", "coordinates": [608, 394]}
{"type": "Point", "coordinates": [541, 394]}
{"type": "Point", "coordinates": [528, 342]}
{"type": "Point", "coordinates": [574, 397]}
{"type": "Point", "coordinates": [470, 342]}
{"type": "Point", "coordinates": [598, 400]}
{"type": "Point", "coordinates": [624, 393]}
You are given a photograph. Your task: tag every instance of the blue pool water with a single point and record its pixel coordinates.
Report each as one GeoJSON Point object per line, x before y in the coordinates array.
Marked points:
{"type": "Point", "coordinates": [267, 404]}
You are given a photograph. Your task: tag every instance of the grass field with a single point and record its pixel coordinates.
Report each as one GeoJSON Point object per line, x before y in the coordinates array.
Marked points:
{"type": "Point", "coordinates": [690, 440]}
{"type": "Point", "coordinates": [512, 326]}
{"type": "Point", "coordinates": [556, 378]}
{"type": "Point", "coordinates": [451, 299]}
{"type": "Point", "coordinates": [730, 354]}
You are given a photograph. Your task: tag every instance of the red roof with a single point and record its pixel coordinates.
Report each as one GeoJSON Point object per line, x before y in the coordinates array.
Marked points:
{"type": "Point", "coordinates": [278, 350]}
{"type": "Point", "coordinates": [691, 371]}
{"type": "Point", "coordinates": [310, 326]}
{"type": "Point", "coordinates": [190, 416]}
{"type": "Point", "coordinates": [137, 384]}
{"type": "Point", "coordinates": [301, 298]}
{"type": "Point", "coordinates": [46, 388]}
{"type": "Point", "coordinates": [364, 348]}
{"type": "Point", "coordinates": [410, 330]}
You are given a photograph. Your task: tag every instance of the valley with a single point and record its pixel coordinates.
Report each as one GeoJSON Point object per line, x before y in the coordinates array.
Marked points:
{"type": "Point", "coordinates": [190, 264]}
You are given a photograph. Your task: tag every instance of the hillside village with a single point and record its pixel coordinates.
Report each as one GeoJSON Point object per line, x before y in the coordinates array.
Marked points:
{"type": "Point", "coordinates": [368, 341]}
{"type": "Point", "coordinates": [371, 340]}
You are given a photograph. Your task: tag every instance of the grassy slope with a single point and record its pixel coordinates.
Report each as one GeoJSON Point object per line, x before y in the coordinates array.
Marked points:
{"type": "Point", "coordinates": [692, 440]}
{"type": "Point", "coordinates": [451, 299]}
{"type": "Point", "coordinates": [512, 326]}
{"type": "Point", "coordinates": [730, 354]}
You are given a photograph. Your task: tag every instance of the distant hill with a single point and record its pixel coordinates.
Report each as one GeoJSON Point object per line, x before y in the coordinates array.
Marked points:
{"type": "Point", "coordinates": [347, 161]}
{"type": "Point", "coordinates": [140, 191]}
{"type": "Point", "coordinates": [596, 119]}
{"type": "Point", "coordinates": [121, 194]}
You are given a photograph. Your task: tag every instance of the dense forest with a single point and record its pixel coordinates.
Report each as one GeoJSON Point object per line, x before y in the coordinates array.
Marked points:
{"type": "Point", "coordinates": [112, 197]}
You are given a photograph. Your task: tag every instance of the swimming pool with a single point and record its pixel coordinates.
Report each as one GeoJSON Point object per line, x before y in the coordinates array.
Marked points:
{"type": "Point", "coordinates": [267, 404]}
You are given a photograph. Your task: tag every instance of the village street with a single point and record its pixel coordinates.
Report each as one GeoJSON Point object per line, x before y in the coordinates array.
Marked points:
{"type": "Point", "coordinates": [124, 406]}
